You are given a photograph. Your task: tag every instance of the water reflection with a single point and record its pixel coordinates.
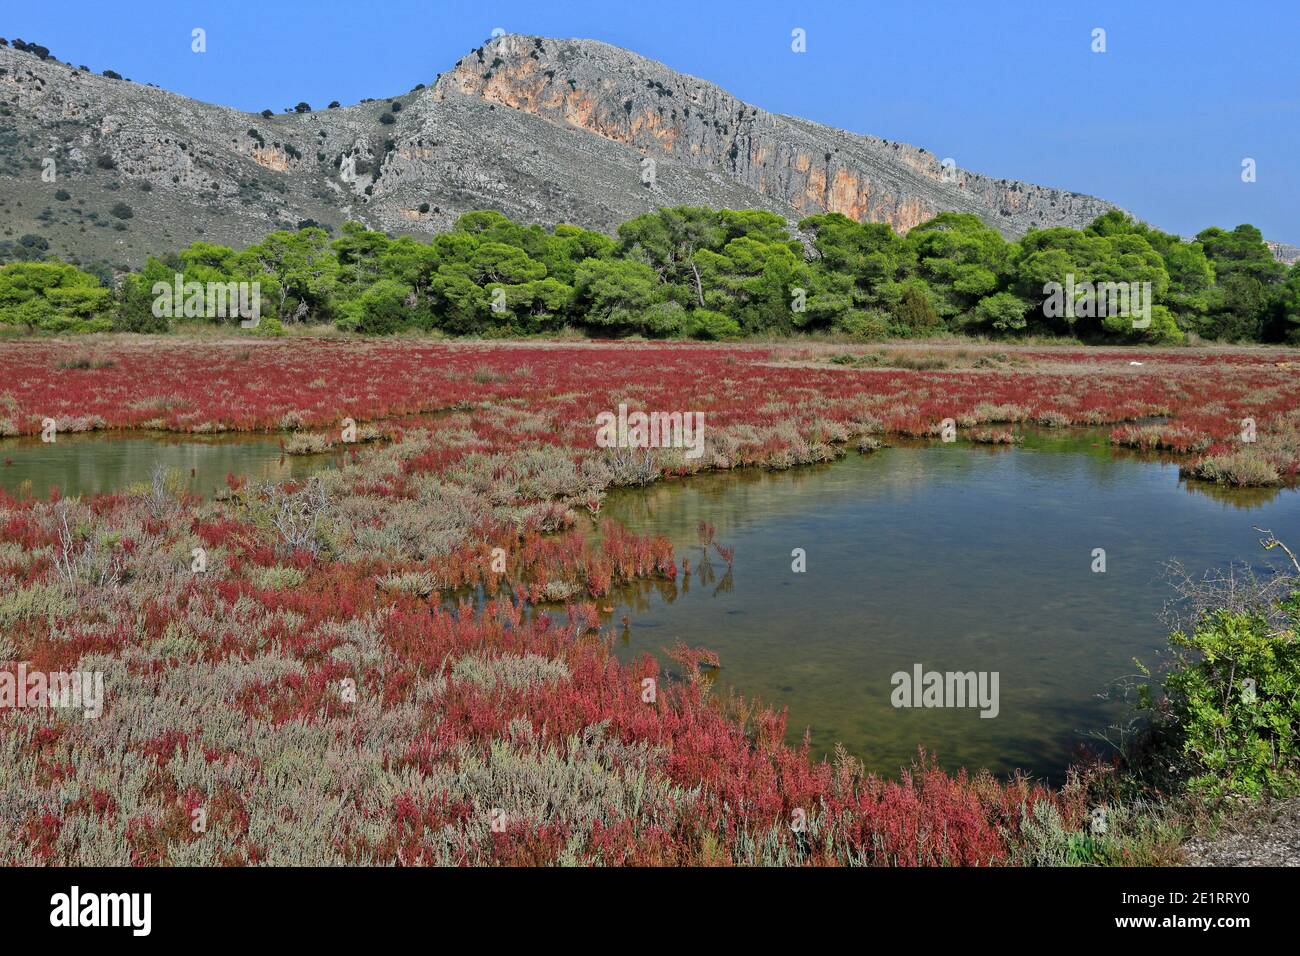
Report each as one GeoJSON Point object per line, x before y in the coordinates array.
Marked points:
{"type": "Point", "coordinates": [956, 557]}
{"type": "Point", "coordinates": [81, 464]}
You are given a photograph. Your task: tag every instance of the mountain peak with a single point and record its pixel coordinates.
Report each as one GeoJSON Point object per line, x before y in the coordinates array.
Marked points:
{"type": "Point", "coordinates": [803, 166]}
{"type": "Point", "coordinates": [545, 130]}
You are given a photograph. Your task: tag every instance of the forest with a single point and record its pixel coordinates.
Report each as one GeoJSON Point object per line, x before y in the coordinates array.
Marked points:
{"type": "Point", "coordinates": [693, 272]}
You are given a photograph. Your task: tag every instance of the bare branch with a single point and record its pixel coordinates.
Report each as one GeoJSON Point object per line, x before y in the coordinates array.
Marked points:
{"type": "Point", "coordinates": [1270, 542]}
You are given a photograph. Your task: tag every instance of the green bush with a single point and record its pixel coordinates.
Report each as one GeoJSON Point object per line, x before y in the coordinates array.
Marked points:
{"type": "Point", "coordinates": [915, 313]}
{"type": "Point", "coordinates": [1002, 312]}
{"type": "Point", "coordinates": [665, 319]}
{"type": "Point", "coordinates": [1234, 702]}
{"type": "Point", "coordinates": [141, 321]}
{"type": "Point", "coordinates": [866, 325]}
{"type": "Point", "coordinates": [269, 326]}
{"type": "Point", "coordinates": [380, 310]}
{"type": "Point", "coordinates": [706, 324]}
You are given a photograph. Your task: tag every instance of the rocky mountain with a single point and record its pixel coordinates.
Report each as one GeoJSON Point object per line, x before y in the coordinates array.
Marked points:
{"type": "Point", "coordinates": [103, 169]}
{"type": "Point", "coordinates": [1285, 253]}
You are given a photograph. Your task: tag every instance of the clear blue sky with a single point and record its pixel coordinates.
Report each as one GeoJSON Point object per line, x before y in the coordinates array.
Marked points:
{"type": "Point", "coordinates": [1159, 123]}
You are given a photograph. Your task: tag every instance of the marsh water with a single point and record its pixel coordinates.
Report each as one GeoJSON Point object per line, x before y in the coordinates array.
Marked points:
{"type": "Point", "coordinates": [79, 464]}
{"type": "Point", "coordinates": [952, 557]}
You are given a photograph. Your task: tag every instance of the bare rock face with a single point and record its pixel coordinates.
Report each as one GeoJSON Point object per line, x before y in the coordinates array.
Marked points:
{"type": "Point", "coordinates": [1285, 253]}
{"type": "Point", "coordinates": [617, 95]}
{"type": "Point", "coordinates": [105, 169]}
{"type": "Point", "coordinates": [544, 130]}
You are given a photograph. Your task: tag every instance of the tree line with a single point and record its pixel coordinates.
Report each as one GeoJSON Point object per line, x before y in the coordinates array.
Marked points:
{"type": "Point", "coordinates": [703, 273]}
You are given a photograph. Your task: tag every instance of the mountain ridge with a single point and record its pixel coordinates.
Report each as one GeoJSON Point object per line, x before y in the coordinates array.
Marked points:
{"type": "Point", "coordinates": [525, 73]}
{"type": "Point", "coordinates": [544, 130]}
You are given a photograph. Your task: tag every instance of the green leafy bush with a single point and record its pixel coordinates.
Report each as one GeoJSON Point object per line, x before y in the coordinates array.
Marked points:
{"type": "Point", "coordinates": [865, 324]}
{"type": "Point", "coordinates": [270, 327]}
{"type": "Point", "coordinates": [1234, 701]}
{"type": "Point", "coordinates": [706, 324]}
{"type": "Point", "coordinates": [380, 310]}
{"type": "Point", "coordinates": [665, 318]}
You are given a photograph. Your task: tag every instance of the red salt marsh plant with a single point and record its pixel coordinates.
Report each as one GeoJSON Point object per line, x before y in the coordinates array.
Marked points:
{"type": "Point", "coordinates": [439, 721]}
{"type": "Point", "coordinates": [761, 403]}
{"type": "Point", "coordinates": [356, 678]}
{"type": "Point", "coordinates": [994, 436]}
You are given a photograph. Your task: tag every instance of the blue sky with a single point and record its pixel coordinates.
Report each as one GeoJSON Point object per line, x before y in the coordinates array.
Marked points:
{"type": "Point", "coordinates": [1159, 123]}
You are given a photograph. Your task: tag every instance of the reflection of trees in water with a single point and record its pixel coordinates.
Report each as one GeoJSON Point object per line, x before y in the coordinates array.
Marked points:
{"type": "Point", "coordinates": [1243, 499]}
{"type": "Point", "coordinates": [736, 500]}
{"type": "Point", "coordinates": [741, 501]}
{"type": "Point", "coordinates": [79, 464]}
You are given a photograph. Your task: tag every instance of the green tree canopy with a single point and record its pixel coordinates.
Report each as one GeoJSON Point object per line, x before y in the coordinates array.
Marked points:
{"type": "Point", "coordinates": [53, 297]}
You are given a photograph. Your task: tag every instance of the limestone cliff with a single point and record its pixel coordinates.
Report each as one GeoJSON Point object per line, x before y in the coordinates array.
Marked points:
{"type": "Point", "coordinates": [544, 130]}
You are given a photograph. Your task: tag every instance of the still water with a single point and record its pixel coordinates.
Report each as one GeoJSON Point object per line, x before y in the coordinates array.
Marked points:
{"type": "Point", "coordinates": [98, 462]}
{"type": "Point", "coordinates": [952, 557]}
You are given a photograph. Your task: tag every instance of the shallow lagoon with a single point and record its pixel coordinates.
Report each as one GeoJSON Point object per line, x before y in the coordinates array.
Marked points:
{"type": "Point", "coordinates": [955, 557]}
{"type": "Point", "coordinates": [82, 464]}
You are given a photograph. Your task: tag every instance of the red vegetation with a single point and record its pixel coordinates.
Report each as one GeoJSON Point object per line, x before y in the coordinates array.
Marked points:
{"type": "Point", "coordinates": [466, 705]}
{"type": "Point", "coordinates": [199, 386]}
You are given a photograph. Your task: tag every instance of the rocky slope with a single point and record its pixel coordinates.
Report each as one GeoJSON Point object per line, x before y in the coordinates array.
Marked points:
{"type": "Point", "coordinates": [678, 119]}
{"type": "Point", "coordinates": [1285, 253]}
{"type": "Point", "coordinates": [544, 130]}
